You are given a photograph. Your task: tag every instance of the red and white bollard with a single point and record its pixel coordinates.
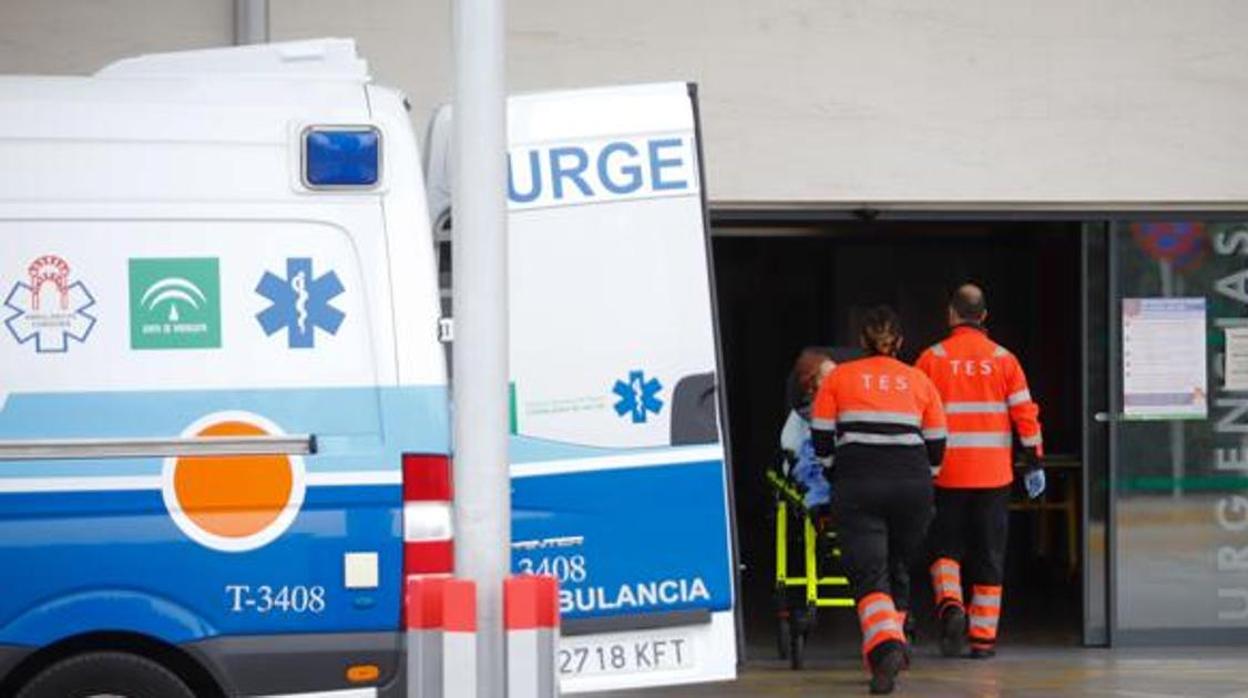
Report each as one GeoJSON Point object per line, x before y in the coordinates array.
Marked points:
{"type": "Point", "coordinates": [531, 611]}
{"type": "Point", "coordinates": [441, 638]}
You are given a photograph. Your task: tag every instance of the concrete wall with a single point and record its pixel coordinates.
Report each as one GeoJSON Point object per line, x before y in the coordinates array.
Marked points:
{"type": "Point", "coordinates": [81, 36]}
{"type": "Point", "coordinates": [814, 101]}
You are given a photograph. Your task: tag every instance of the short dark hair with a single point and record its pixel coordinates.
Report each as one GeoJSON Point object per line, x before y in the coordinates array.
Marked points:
{"type": "Point", "coordinates": [803, 380]}
{"type": "Point", "coordinates": [968, 303]}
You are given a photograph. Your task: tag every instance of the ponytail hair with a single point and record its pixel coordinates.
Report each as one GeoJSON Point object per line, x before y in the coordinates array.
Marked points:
{"type": "Point", "coordinates": [881, 331]}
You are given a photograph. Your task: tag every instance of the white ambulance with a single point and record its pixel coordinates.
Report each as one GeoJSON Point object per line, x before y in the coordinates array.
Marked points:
{"type": "Point", "coordinates": [224, 431]}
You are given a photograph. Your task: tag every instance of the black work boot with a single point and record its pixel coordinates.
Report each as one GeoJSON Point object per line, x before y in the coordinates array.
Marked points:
{"type": "Point", "coordinates": [983, 652]}
{"type": "Point", "coordinates": [907, 629]}
{"type": "Point", "coordinates": [886, 661]}
{"type": "Point", "coordinates": [952, 631]}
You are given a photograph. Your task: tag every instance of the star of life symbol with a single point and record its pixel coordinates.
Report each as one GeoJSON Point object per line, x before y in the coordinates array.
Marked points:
{"type": "Point", "coordinates": [300, 303]}
{"type": "Point", "coordinates": [48, 308]}
{"type": "Point", "coordinates": [639, 397]}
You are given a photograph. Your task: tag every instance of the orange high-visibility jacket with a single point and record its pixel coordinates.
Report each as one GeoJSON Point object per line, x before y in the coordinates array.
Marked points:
{"type": "Point", "coordinates": [878, 402]}
{"type": "Point", "coordinates": [985, 392]}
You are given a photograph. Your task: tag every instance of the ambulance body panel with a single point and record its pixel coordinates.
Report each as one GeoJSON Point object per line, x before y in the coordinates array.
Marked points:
{"type": "Point", "coordinates": [168, 277]}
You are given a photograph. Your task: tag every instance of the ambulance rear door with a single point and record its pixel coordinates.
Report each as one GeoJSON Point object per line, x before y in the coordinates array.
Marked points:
{"type": "Point", "coordinates": [618, 462]}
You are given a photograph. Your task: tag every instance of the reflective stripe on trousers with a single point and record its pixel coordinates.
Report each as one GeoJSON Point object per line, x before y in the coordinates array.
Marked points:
{"type": "Point", "coordinates": [879, 620]}
{"type": "Point", "coordinates": [947, 581]}
{"type": "Point", "coordinates": [983, 615]}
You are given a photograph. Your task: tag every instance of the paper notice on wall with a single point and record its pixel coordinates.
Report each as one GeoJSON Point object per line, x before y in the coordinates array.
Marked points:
{"type": "Point", "coordinates": [1235, 366]}
{"type": "Point", "coordinates": [1163, 358]}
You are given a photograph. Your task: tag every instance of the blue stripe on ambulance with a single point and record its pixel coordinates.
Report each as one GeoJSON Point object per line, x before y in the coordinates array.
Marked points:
{"type": "Point", "coordinates": [116, 561]}
{"type": "Point", "coordinates": [113, 559]}
{"type": "Point", "coordinates": [148, 577]}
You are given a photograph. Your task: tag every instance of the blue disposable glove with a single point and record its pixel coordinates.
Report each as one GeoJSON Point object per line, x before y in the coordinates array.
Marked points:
{"type": "Point", "coordinates": [1034, 482]}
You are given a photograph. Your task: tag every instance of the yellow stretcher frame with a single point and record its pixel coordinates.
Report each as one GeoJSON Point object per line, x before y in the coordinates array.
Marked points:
{"type": "Point", "coordinates": [788, 495]}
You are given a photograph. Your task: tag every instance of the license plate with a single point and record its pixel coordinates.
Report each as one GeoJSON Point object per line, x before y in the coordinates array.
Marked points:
{"type": "Point", "coordinates": [630, 656]}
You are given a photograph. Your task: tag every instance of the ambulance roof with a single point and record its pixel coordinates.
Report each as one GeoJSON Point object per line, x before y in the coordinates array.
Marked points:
{"type": "Point", "coordinates": [236, 76]}
{"type": "Point", "coordinates": [141, 117]}
{"type": "Point", "coordinates": [316, 59]}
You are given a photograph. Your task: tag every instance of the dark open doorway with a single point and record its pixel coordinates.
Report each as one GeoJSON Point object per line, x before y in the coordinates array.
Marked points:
{"type": "Point", "coordinates": [781, 289]}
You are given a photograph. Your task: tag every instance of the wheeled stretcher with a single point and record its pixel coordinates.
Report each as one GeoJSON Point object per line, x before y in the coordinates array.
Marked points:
{"type": "Point", "coordinates": [816, 585]}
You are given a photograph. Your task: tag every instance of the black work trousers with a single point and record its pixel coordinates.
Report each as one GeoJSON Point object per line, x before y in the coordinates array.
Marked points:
{"type": "Point", "coordinates": [881, 525]}
{"type": "Point", "coordinates": [972, 527]}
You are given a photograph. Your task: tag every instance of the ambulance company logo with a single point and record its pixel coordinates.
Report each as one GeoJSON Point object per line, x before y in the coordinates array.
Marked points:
{"type": "Point", "coordinates": [233, 503]}
{"type": "Point", "coordinates": [49, 308]}
{"type": "Point", "coordinates": [300, 303]}
{"type": "Point", "coordinates": [639, 397]}
{"type": "Point", "coordinates": [175, 304]}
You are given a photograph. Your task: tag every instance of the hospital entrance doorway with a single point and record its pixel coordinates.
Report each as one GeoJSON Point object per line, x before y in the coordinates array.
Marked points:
{"type": "Point", "coordinates": [780, 289]}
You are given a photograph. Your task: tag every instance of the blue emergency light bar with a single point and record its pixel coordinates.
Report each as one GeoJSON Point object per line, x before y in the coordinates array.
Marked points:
{"type": "Point", "coordinates": [341, 156]}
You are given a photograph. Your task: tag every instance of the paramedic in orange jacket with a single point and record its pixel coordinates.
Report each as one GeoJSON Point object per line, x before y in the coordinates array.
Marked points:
{"type": "Point", "coordinates": [884, 421]}
{"type": "Point", "coordinates": [986, 399]}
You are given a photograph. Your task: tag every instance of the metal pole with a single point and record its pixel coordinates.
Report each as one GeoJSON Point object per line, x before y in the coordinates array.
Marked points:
{"type": "Point", "coordinates": [479, 259]}
{"type": "Point", "coordinates": [251, 22]}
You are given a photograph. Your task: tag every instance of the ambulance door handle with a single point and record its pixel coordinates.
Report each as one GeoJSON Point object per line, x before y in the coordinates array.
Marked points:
{"type": "Point", "coordinates": [1106, 417]}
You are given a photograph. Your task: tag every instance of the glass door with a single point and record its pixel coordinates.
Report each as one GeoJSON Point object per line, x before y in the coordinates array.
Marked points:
{"type": "Point", "coordinates": [1177, 539]}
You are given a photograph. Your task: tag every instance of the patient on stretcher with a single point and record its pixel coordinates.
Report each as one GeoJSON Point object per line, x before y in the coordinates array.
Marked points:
{"type": "Point", "coordinates": [801, 465]}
